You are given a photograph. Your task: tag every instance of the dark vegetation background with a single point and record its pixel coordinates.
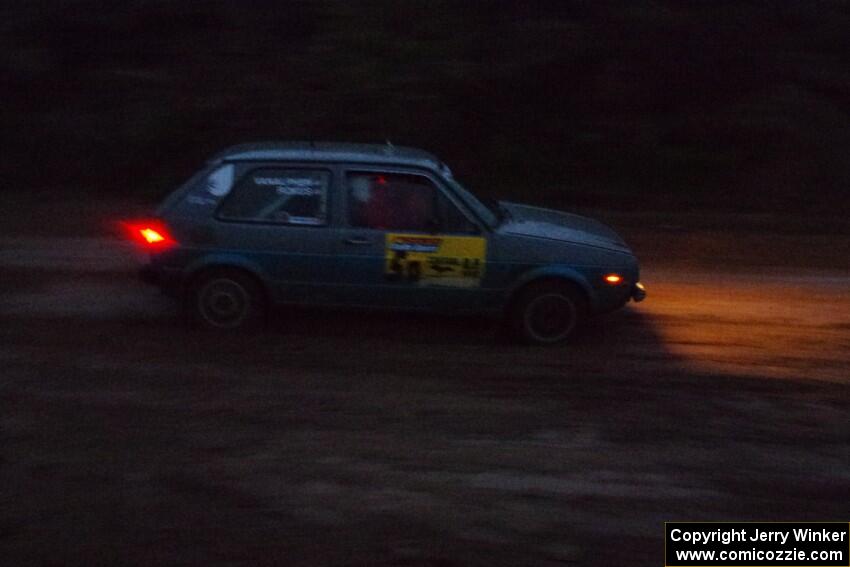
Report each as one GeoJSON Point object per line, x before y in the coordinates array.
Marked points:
{"type": "Point", "coordinates": [727, 105]}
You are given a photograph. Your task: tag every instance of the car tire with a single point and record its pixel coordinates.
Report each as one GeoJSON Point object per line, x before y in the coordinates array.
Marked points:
{"type": "Point", "coordinates": [548, 312]}
{"type": "Point", "coordinates": [226, 300]}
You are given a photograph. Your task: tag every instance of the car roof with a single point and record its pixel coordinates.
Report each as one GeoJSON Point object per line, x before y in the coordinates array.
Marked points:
{"type": "Point", "coordinates": [329, 151]}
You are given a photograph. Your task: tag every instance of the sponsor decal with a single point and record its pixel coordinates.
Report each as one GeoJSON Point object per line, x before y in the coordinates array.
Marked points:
{"type": "Point", "coordinates": [454, 261]}
{"type": "Point", "coordinates": [292, 186]}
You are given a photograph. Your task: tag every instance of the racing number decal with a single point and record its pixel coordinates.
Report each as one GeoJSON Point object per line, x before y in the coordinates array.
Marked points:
{"type": "Point", "coordinates": [456, 261]}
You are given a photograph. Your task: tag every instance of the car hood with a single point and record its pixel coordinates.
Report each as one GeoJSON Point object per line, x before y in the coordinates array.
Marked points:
{"type": "Point", "coordinates": [525, 220]}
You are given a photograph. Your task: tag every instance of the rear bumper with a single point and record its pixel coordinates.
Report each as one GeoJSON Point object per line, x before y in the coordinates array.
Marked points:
{"type": "Point", "coordinates": [168, 281]}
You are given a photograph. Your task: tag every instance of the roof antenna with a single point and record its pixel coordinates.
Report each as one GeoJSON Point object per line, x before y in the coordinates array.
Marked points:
{"type": "Point", "coordinates": [390, 147]}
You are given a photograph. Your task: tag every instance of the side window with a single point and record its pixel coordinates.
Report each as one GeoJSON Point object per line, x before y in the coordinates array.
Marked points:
{"type": "Point", "coordinates": [397, 201]}
{"type": "Point", "coordinates": [455, 221]}
{"type": "Point", "coordinates": [279, 195]}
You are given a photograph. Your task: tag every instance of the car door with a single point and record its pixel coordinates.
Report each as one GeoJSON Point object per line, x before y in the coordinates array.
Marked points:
{"type": "Point", "coordinates": [404, 241]}
{"type": "Point", "coordinates": [277, 218]}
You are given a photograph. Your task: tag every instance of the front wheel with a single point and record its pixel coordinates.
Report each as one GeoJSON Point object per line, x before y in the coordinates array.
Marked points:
{"type": "Point", "coordinates": [226, 301]}
{"type": "Point", "coordinates": [548, 313]}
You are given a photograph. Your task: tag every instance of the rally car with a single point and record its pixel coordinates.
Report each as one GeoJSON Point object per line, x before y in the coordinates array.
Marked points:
{"type": "Point", "coordinates": [374, 226]}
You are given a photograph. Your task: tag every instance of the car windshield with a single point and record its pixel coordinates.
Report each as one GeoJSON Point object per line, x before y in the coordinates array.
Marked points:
{"type": "Point", "coordinates": [489, 212]}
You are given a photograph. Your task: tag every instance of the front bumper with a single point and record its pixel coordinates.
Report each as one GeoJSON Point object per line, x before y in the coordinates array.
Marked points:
{"type": "Point", "coordinates": [638, 292]}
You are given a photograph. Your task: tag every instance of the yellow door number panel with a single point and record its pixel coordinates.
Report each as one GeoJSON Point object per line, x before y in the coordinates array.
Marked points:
{"type": "Point", "coordinates": [456, 261]}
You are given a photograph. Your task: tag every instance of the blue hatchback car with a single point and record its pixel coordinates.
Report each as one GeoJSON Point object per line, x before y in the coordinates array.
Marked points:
{"type": "Point", "coordinates": [375, 226]}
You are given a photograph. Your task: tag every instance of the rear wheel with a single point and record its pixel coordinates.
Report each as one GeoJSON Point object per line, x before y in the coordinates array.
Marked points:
{"type": "Point", "coordinates": [226, 300]}
{"type": "Point", "coordinates": [548, 312]}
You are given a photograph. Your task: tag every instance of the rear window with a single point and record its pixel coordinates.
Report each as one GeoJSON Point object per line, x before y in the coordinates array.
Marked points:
{"type": "Point", "coordinates": [280, 196]}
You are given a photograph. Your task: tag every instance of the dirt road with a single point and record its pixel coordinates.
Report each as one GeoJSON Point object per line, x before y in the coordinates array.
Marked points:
{"type": "Point", "coordinates": [347, 439]}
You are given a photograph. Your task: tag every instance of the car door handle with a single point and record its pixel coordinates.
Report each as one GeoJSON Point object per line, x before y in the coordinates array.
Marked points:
{"type": "Point", "coordinates": [358, 240]}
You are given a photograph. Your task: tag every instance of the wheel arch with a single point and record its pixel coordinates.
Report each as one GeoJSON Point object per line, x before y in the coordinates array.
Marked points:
{"type": "Point", "coordinates": [224, 263]}
{"type": "Point", "coordinates": [563, 275]}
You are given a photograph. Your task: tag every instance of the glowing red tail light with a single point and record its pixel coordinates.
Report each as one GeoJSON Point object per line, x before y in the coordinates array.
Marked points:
{"type": "Point", "coordinates": [151, 234]}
